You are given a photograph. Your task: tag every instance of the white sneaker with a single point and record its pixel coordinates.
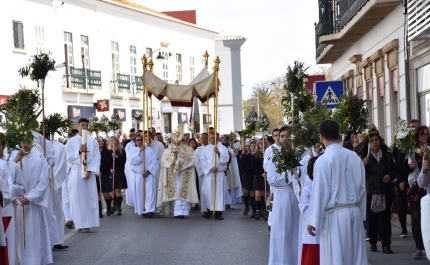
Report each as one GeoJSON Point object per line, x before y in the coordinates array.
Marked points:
{"type": "Point", "coordinates": [403, 235]}
{"type": "Point", "coordinates": [367, 238]}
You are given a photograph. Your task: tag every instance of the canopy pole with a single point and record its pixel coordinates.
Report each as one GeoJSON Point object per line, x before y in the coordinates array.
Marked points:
{"type": "Point", "coordinates": [206, 56]}
{"type": "Point", "coordinates": [144, 64]}
{"type": "Point", "coordinates": [216, 69]}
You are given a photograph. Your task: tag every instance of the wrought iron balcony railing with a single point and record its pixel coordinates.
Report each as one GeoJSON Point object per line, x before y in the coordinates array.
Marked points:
{"type": "Point", "coordinates": [334, 15]}
{"type": "Point", "coordinates": [85, 78]}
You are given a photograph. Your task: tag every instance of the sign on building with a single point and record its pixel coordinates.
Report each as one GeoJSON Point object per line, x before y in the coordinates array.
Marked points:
{"type": "Point", "coordinates": [329, 92]}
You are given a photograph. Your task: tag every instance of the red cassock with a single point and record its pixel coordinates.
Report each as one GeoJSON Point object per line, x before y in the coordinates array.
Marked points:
{"type": "Point", "coordinates": [311, 254]}
{"type": "Point", "coordinates": [4, 260]}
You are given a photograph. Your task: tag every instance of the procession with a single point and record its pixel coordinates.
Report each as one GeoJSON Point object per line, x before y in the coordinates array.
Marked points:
{"type": "Point", "coordinates": [215, 132]}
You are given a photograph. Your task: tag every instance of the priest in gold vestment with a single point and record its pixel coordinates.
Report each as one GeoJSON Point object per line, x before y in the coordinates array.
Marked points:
{"type": "Point", "coordinates": [177, 186]}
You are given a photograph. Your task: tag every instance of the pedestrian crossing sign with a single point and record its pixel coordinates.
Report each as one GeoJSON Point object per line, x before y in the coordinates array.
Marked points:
{"type": "Point", "coordinates": [329, 92]}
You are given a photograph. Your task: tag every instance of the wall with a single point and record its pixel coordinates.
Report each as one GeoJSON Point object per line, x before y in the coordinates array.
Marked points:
{"type": "Point", "coordinates": [387, 30]}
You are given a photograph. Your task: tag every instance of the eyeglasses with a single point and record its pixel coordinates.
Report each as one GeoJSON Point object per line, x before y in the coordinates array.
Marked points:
{"type": "Point", "coordinates": [139, 140]}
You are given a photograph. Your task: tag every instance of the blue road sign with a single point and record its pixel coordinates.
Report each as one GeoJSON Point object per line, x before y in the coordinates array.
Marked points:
{"type": "Point", "coordinates": [329, 92]}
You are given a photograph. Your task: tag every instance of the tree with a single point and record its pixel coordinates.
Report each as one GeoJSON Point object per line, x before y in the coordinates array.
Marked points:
{"type": "Point", "coordinates": [266, 96]}
{"type": "Point", "coordinates": [321, 69]}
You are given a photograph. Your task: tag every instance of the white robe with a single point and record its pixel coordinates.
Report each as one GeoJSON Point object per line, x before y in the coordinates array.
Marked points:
{"type": "Point", "coordinates": [233, 171]}
{"type": "Point", "coordinates": [65, 195]}
{"type": "Point", "coordinates": [339, 181]}
{"type": "Point", "coordinates": [267, 157]}
{"type": "Point", "coordinates": [305, 237]}
{"type": "Point", "coordinates": [5, 189]}
{"type": "Point", "coordinates": [425, 222]}
{"type": "Point", "coordinates": [136, 168]}
{"type": "Point", "coordinates": [38, 242]}
{"type": "Point", "coordinates": [158, 149]}
{"type": "Point", "coordinates": [284, 231]}
{"type": "Point", "coordinates": [60, 169]}
{"type": "Point", "coordinates": [200, 175]}
{"type": "Point", "coordinates": [83, 192]}
{"type": "Point", "coordinates": [17, 190]}
{"type": "Point", "coordinates": [207, 162]}
{"type": "Point", "coordinates": [129, 192]}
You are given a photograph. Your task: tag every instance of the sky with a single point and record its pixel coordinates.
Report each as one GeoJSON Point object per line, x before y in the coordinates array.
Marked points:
{"type": "Point", "coordinates": [278, 32]}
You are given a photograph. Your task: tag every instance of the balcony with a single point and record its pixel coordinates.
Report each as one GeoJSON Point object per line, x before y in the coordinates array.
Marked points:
{"type": "Point", "coordinates": [138, 87]}
{"type": "Point", "coordinates": [344, 22]}
{"type": "Point", "coordinates": [82, 81]}
{"type": "Point", "coordinates": [121, 87]}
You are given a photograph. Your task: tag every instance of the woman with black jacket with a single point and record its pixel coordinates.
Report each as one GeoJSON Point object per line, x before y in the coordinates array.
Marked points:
{"type": "Point", "coordinates": [118, 157]}
{"type": "Point", "coordinates": [248, 179]}
{"type": "Point", "coordinates": [380, 173]}
{"type": "Point", "coordinates": [260, 179]}
{"type": "Point", "coordinates": [104, 175]}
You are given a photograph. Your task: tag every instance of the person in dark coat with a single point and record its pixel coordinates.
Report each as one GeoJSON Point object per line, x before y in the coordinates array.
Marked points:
{"type": "Point", "coordinates": [380, 173]}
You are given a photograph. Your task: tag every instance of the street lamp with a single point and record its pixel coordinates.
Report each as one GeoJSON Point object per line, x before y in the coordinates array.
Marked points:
{"type": "Point", "coordinates": [263, 117]}
{"type": "Point", "coordinates": [104, 120]}
{"type": "Point", "coordinates": [160, 57]}
{"type": "Point", "coordinates": [93, 119]}
{"type": "Point", "coordinates": [253, 116]}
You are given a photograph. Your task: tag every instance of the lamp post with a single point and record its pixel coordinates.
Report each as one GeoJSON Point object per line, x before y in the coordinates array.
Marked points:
{"type": "Point", "coordinates": [159, 57]}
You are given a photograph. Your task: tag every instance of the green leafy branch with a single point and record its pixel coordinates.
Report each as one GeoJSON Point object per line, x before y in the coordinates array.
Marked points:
{"type": "Point", "coordinates": [39, 67]}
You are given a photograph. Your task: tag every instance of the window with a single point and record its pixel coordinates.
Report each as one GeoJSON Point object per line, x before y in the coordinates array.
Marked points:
{"type": "Point", "coordinates": [69, 43]}
{"type": "Point", "coordinates": [394, 77]}
{"type": "Point", "coordinates": [133, 59]}
{"type": "Point", "coordinates": [360, 92]}
{"type": "Point", "coordinates": [191, 68]}
{"type": "Point", "coordinates": [178, 69]}
{"type": "Point", "coordinates": [148, 52]}
{"type": "Point", "coordinates": [166, 67]}
{"type": "Point", "coordinates": [40, 36]}
{"type": "Point", "coordinates": [115, 57]}
{"type": "Point", "coordinates": [18, 35]}
{"type": "Point", "coordinates": [85, 52]}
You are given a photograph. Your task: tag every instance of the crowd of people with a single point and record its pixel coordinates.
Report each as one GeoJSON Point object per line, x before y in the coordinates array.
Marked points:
{"type": "Point", "coordinates": [48, 186]}
{"type": "Point", "coordinates": [321, 216]}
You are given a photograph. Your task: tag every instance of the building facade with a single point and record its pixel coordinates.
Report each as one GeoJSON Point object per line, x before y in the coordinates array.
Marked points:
{"type": "Point", "coordinates": [363, 40]}
{"type": "Point", "coordinates": [100, 44]}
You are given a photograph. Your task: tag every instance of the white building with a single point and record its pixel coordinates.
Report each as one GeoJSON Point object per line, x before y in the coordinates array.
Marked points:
{"type": "Point", "coordinates": [102, 42]}
{"type": "Point", "coordinates": [364, 42]}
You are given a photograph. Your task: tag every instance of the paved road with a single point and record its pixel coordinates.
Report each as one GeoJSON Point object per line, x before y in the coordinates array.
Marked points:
{"type": "Point", "coordinates": [131, 239]}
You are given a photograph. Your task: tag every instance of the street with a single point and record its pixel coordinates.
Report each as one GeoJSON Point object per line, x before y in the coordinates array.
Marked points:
{"type": "Point", "coordinates": [132, 239]}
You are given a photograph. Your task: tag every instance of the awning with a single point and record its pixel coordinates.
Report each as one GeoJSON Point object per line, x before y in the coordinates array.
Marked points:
{"type": "Point", "coordinates": [77, 112]}
{"type": "Point", "coordinates": [181, 95]}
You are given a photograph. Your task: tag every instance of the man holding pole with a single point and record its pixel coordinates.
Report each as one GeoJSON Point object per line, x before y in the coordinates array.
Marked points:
{"type": "Point", "coordinates": [34, 242]}
{"type": "Point", "coordinates": [143, 181]}
{"type": "Point", "coordinates": [214, 177]}
{"type": "Point", "coordinates": [83, 185]}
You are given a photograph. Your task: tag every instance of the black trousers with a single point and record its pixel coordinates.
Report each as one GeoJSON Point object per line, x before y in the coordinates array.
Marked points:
{"type": "Point", "coordinates": [380, 223]}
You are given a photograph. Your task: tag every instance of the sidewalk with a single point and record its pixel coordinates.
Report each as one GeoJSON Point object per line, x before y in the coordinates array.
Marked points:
{"type": "Point", "coordinates": [403, 248]}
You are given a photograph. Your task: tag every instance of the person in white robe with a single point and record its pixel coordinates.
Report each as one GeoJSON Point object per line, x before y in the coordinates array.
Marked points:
{"type": "Point", "coordinates": [5, 200]}
{"type": "Point", "coordinates": [158, 148]}
{"type": "Point", "coordinates": [65, 191]}
{"type": "Point", "coordinates": [197, 153]}
{"type": "Point", "coordinates": [17, 189]}
{"type": "Point", "coordinates": [83, 189]}
{"type": "Point", "coordinates": [338, 201]}
{"type": "Point", "coordinates": [66, 198]}
{"type": "Point", "coordinates": [129, 192]}
{"type": "Point", "coordinates": [35, 216]}
{"type": "Point", "coordinates": [234, 184]}
{"type": "Point", "coordinates": [308, 244]}
{"type": "Point", "coordinates": [284, 231]}
{"type": "Point", "coordinates": [138, 177]}
{"type": "Point", "coordinates": [268, 153]}
{"type": "Point", "coordinates": [214, 180]}
{"type": "Point", "coordinates": [177, 187]}
{"type": "Point", "coordinates": [59, 170]}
